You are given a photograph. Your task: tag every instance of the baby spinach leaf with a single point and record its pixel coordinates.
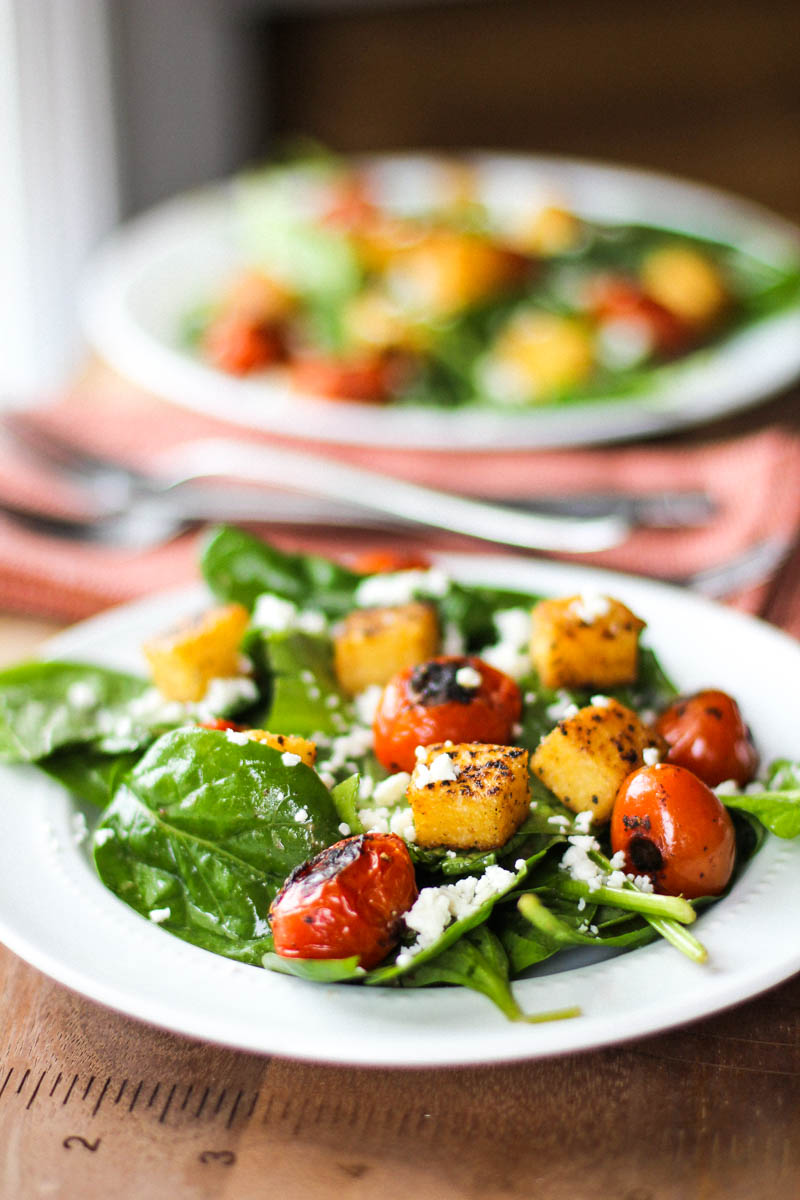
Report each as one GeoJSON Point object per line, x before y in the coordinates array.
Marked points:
{"type": "Point", "coordinates": [345, 798]}
{"type": "Point", "coordinates": [778, 805]}
{"type": "Point", "coordinates": [238, 566]}
{"type": "Point", "coordinates": [316, 970]}
{"type": "Point", "coordinates": [204, 830]}
{"type": "Point", "coordinates": [305, 697]}
{"type": "Point", "coordinates": [45, 706]}
{"type": "Point", "coordinates": [476, 961]}
{"type": "Point", "coordinates": [89, 774]}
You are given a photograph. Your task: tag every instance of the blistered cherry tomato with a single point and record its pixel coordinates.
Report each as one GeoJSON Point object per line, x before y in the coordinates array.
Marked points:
{"type": "Point", "coordinates": [673, 828]}
{"type": "Point", "coordinates": [375, 562]}
{"type": "Point", "coordinates": [706, 733]}
{"type": "Point", "coordinates": [370, 378]}
{"type": "Point", "coordinates": [348, 900]}
{"type": "Point", "coordinates": [429, 703]}
{"type": "Point", "coordinates": [614, 297]}
{"type": "Point", "coordinates": [238, 344]}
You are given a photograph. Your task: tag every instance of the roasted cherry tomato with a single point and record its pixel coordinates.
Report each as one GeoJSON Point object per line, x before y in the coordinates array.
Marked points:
{"type": "Point", "coordinates": [706, 733]}
{"type": "Point", "coordinates": [238, 344]}
{"type": "Point", "coordinates": [375, 562]}
{"type": "Point", "coordinates": [452, 698]}
{"type": "Point", "coordinates": [672, 827]}
{"type": "Point", "coordinates": [346, 901]}
{"type": "Point", "coordinates": [222, 724]}
{"type": "Point", "coordinates": [614, 297]}
{"type": "Point", "coordinates": [367, 377]}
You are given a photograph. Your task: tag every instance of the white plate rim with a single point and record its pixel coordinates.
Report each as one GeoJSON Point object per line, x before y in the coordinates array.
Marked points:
{"type": "Point", "coordinates": [108, 953]}
{"type": "Point", "coordinates": [134, 267]}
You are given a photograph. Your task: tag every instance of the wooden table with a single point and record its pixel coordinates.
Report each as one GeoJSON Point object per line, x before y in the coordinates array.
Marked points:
{"type": "Point", "coordinates": [94, 1104]}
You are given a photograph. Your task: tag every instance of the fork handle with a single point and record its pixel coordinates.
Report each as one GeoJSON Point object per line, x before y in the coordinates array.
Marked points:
{"type": "Point", "coordinates": [314, 475]}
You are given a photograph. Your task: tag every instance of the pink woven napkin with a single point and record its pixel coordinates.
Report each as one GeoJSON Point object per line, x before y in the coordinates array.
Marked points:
{"type": "Point", "coordinates": [754, 480]}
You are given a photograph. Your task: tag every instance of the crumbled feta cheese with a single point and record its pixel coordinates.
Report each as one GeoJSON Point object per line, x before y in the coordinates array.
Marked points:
{"type": "Point", "coordinates": [561, 822]}
{"type": "Point", "coordinates": [301, 816]}
{"type": "Point", "coordinates": [622, 342]}
{"type": "Point", "coordinates": [561, 709]}
{"type": "Point", "coordinates": [651, 755]}
{"type": "Point", "coordinates": [160, 914]}
{"type": "Point", "coordinates": [81, 694]}
{"type": "Point", "coordinates": [577, 863]}
{"type": "Point", "coordinates": [400, 587]}
{"type": "Point", "coordinates": [582, 822]}
{"type": "Point", "coordinates": [530, 697]}
{"type": "Point", "coordinates": [366, 786]}
{"type": "Point", "coordinates": [589, 606]}
{"type": "Point", "coordinates": [600, 701]}
{"type": "Point", "coordinates": [389, 820]}
{"type": "Point", "coordinates": [332, 701]}
{"type": "Point", "coordinates": [452, 639]}
{"type": "Point", "coordinates": [237, 736]}
{"type": "Point", "coordinates": [101, 836]}
{"type": "Point", "coordinates": [291, 760]}
{"type": "Point", "coordinates": [581, 904]}
{"type": "Point", "coordinates": [510, 653]}
{"type": "Point", "coordinates": [224, 695]}
{"type": "Point", "coordinates": [643, 882]}
{"type": "Point", "coordinates": [344, 829]}
{"type": "Point", "coordinates": [520, 864]}
{"type": "Point", "coordinates": [617, 861]}
{"type": "Point", "coordinates": [328, 779]}
{"type": "Point", "coordinates": [616, 879]}
{"type": "Point", "coordinates": [276, 615]}
{"type": "Point", "coordinates": [366, 703]}
{"type": "Point", "coordinates": [467, 677]}
{"type": "Point", "coordinates": [391, 791]}
{"type": "Point", "coordinates": [728, 787]}
{"type": "Point", "coordinates": [353, 744]}
{"type": "Point", "coordinates": [80, 830]}
{"type": "Point", "coordinates": [441, 770]}
{"type": "Point", "coordinates": [438, 907]}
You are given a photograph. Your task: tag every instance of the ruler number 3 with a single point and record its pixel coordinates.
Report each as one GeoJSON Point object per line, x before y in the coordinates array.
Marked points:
{"type": "Point", "coordinates": [75, 1140]}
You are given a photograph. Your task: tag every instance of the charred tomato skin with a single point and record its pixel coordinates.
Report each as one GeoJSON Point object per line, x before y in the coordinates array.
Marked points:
{"type": "Point", "coordinates": [346, 901]}
{"type": "Point", "coordinates": [424, 704]}
{"type": "Point", "coordinates": [705, 732]}
{"type": "Point", "coordinates": [671, 826]}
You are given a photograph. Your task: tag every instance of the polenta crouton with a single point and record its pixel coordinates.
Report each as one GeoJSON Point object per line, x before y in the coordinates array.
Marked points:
{"type": "Point", "coordinates": [585, 641]}
{"type": "Point", "coordinates": [373, 644]}
{"type": "Point", "coordinates": [585, 758]}
{"type": "Point", "coordinates": [183, 663]}
{"type": "Point", "coordinates": [287, 743]}
{"type": "Point", "coordinates": [470, 796]}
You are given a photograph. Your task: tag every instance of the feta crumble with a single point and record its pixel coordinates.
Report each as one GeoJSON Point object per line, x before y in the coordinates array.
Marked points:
{"type": "Point", "coordinates": [391, 791]}
{"type": "Point", "coordinates": [81, 694]}
{"type": "Point", "coordinates": [344, 829]}
{"type": "Point", "coordinates": [468, 678]}
{"type": "Point", "coordinates": [589, 607]}
{"type": "Point", "coordinates": [436, 908]}
{"type": "Point", "coordinates": [400, 587]}
{"type": "Point", "coordinates": [290, 760]}
{"type": "Point", "coordinates": [237, 736]}
{"type": "Point", "coordinates": [389, 820]}
{"type": "Point", "coordinates": [276, 615]}
{"type": "Point", "coordinates": [441, 770]}
{"type": "Point", "coordinates": [301, 816]}
{"type": "Point", "coordinates": [366, 703]}
{"type": "Point", "coordinates": [651, 755]}
{"type": "Point", "coordinates": [159, 915]}
{"type": "Point", "coordinates": [561, 709]}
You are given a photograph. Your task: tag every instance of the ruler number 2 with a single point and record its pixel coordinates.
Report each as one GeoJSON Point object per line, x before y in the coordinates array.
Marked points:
{"type": "Point", "coordinates": [84, 1143]}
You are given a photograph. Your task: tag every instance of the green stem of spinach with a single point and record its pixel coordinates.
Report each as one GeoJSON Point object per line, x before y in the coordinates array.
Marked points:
{"type": "Point", "coordinates": [649, 904]}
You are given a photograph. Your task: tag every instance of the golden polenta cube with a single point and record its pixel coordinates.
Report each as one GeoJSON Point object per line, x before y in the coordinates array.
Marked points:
{"type": "Point", "coordinates": [184, 662]}
{"type": "Point", "coordinates": [585, 758]}
{"type": "Point", "coordinates": [585, 641]}
{"type": "Point", "coordinates": [373, 644]}
{"type": "Point", "coordinates": [287, 743]}
{"type": "Point", "coordinates": [469, 796]}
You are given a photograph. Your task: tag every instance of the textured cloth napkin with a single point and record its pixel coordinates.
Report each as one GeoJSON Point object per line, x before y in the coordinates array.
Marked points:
{"type": "Point", "coordinates": [754, 481]}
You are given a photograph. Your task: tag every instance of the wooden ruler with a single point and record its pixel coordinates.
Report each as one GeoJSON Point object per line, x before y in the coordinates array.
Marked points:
{"type": "Point", "coordinates": [96, 1106]}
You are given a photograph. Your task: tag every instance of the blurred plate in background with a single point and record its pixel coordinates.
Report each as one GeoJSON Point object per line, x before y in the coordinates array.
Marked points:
{"type": "Point", "coordinates": [142, 282]}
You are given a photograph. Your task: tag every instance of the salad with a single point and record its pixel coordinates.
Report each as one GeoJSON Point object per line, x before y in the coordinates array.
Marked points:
{"type": "Point", "coordinates": [451, 299]}
{"type": "Point", "coordinates": [391, 778]}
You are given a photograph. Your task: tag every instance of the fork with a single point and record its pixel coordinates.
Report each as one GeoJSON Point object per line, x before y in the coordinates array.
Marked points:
{"type": "Point", "coordinates": [133, 507]}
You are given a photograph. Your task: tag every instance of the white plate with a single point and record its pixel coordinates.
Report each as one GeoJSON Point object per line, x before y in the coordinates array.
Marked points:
{"type": "Point", "coordinates": [143, 281]}
{"type": "Point", "coordinates": [55, 913]}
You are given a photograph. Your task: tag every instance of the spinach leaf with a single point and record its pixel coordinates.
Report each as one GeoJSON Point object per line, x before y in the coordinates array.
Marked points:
{"type": "Point", "coordinates": [345, 799]}
{"type": "Point", "coordinates": [46, 706]}
{"type": "Point", "coordinates": [778, 805]}
{"type": "Point", "coordinates": [477, 961]}
{"type": "Point", "coordinates": [238, 566]}
{"type": "Point", "coordinates": [315, 970]}
{"type": "Point", "coordinates": [89, 774]}
{"type": "Point", "coordinates": [527, 943]}
{"type": "Point", "coordinates": [305, 697]}
{"type": "Point", "coordinates": [204, 830]}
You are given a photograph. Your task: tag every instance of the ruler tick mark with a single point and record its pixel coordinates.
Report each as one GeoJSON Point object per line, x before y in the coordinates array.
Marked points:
{"type": "Point", "coordinates": [36, 1089]}
{"type": "Point", "coordinates": [253, 1104]}
{"type": "Point", "coordinates": [135, 1096]}
{"type": "Point", "coordinates": [24, 1080]}
{"type": "Point", "coordinates": [234, 1106]}
{"type": "Point", "coordinates": [220, 1101]}
{"type": "Point", "coordinates": [118, 1096]}
{"type": "Point", "coordinates": [57, 1082]}
{"type": "Point", "coordinates": [5, 1081]}
{"type": "Point", "coordinates": [189, 1091]}
{"type": "Point", "coordinates": [101, 1097]}
{"type": "Point", "coordinates": [69, 1089]}
{"type": "Point", "coordinates": [89, 1086]}
{"type": "Point", "coordinates": [152, 1099]}
{"type": "Point", "coordinates": [165, 1109]}
{"type": "Point", "coordinates": [202, 1102]}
